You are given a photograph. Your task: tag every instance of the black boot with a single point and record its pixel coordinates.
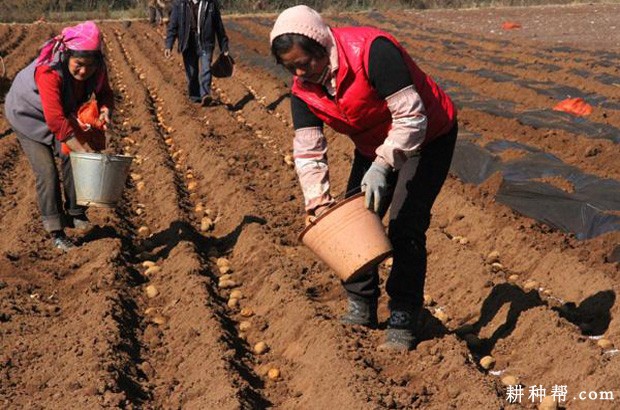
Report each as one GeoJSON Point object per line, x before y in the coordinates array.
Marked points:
{"type": "Point", "coordinates": [400, 333]}
{"type": "Point", "coordinates": [361, 312]}
{"type": "Point", "coordinates": [80, 222]}
{"type": "Point", "coordinates": [61, 241]}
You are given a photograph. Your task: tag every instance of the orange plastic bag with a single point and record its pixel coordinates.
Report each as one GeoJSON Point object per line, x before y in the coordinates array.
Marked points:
{"type": "Point", "coordinates": [510, 25]}
{"type": "Point", "coordinates": [575, 106]}
{"type": "Point", "coordinates": [88, 114]}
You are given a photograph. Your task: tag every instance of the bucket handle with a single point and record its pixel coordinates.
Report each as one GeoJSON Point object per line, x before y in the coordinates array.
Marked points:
{"type": "Point", "coordinates": [336, 200]}
{"type": "Point", "coordinates": [347, 194]}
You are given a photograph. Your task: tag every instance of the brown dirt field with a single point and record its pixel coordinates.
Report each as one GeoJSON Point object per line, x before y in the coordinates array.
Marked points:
{"type": "Point", "coordinates": [79, 331]}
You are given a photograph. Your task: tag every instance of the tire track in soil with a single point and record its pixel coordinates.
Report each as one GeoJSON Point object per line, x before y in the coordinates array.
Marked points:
{"type": "Point", "coordinates": [185, 295]}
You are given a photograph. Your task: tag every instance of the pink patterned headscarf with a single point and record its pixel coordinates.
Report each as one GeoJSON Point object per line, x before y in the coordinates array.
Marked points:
{"type": "Point", "coordinates": [83, 37]}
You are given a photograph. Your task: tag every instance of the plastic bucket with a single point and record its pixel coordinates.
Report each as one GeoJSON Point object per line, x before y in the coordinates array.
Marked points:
{"type": "Point", "coordinates": [348, 238]}
{"type": "Point", "coordinates": [99, 178]}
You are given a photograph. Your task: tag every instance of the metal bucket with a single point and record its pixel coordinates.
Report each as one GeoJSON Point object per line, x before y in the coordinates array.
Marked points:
{"type": "Point", "coordinates": [99, 178]}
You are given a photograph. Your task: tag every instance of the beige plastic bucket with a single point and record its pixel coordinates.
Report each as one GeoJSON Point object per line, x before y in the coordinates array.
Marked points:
{"type": "Point", "coordinates": [348, 238]}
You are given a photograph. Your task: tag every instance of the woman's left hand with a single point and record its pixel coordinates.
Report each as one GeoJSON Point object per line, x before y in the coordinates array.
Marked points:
{"type": "Point", "coordinates": [76, 145]}
{"type": "Point", "coordinates": [375, 185]}
{"type": "Point", "coordinates": [104, 117]}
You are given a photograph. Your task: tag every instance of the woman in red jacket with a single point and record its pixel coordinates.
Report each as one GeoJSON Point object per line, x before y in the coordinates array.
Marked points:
{"type": "Point", "coordinates": [362, 83]}
{"type": "Point", "coordinates": [41, 107]}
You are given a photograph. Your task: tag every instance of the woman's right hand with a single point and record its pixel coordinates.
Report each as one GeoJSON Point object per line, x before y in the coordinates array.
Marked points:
{"type": "Point", "coordinates": [75, 145]}
{"type": "Point", "coordinates": [310, 218]}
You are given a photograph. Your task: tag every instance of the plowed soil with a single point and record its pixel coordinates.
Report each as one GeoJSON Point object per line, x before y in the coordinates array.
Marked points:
{"type": "Point", "coordinates": [80, 330]}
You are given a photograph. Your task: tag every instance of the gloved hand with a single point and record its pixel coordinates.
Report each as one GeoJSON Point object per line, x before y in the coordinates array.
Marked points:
{"type": "Point", "coordinates": [375, 185]}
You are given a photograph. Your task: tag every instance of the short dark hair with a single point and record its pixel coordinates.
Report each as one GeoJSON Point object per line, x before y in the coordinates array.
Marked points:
{"type": "Point", "coordinates": [284, 42]}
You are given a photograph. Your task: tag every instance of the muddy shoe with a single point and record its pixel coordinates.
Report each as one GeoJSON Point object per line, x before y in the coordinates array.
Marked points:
{"type": "Point", "coordinates": [206, 101]}
{"type": "Point", "coordinates": [62, 241]}
{"type": "Point", "coordinates": [400, 335]}
{"type": "Point", "coordinates": [81, 223]}
{"type": "Point", "coordinates": [361, 312]}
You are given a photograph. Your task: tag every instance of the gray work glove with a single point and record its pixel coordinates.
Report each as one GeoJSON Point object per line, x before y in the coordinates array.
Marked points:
{"type": "Point", "coordinates": [375, 185]}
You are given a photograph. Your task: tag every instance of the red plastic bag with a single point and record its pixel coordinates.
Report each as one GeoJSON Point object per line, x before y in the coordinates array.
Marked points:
{"type": "Point", "coordinates": [510, 25]}
{"type": "Point", "coordinates": [88, 115]}
{"type": "Point", "coordinates": [575, 106]}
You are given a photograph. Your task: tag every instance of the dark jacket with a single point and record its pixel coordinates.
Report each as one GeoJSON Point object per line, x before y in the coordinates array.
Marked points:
{"type": "Point", "coordinates": [209, 25]}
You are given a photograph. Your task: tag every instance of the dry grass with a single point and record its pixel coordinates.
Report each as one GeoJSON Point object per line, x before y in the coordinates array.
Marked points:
{"type": "Point", "coordinates": [66, 10]}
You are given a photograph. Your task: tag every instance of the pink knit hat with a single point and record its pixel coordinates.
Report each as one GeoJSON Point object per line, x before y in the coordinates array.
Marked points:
{"type": "Point", "coordinates": [302, 20]}
{"type": "Point", "coordinates": [82, 37]}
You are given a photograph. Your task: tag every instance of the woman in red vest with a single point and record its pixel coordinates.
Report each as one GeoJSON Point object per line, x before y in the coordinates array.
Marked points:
{"type": "Point", "coordinates": [362, 83]}
{"type": "Point", "coordinates": [41, 107]}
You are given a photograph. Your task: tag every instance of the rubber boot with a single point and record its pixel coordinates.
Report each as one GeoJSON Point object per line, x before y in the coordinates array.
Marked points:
{"type": "Point", "coordinates": [400, 333]}
{"type": "Point", "coordinates": [361, 312]}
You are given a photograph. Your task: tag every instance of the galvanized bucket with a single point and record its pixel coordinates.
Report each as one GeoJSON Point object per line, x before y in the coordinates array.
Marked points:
{"type": "Point", "coordinates": [99, 178]}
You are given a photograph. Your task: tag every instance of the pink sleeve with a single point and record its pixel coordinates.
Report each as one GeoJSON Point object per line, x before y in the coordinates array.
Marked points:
{"type": "Point", "coordinates": [408, 128]}
{"type": "Point", "coordinates": [310, 153]}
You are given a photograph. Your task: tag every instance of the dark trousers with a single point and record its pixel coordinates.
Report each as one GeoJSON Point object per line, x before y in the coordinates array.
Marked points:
{"type": "Point", "coordinates": [197, 63]}
{"type": "Point", "coordinates": [155, 14]}
{"type": "Point", "coordinates": [414, 189]}
{"type": "Point", "coordinates": [49, 196]}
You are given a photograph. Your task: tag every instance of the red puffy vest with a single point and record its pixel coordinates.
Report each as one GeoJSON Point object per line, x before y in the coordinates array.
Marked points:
{"type": "Point", "coordinates": [357, 110]}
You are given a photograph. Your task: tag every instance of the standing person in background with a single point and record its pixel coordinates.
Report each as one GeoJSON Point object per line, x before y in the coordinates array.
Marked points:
{"type": "Point", "coordinates": [196, 23]}
{"type": "Point", "coordinates": [156, 11]}
{"type": "Point", "coordinates": [41, 107]}
{"type": "Point", "coordinates": [361, 82]}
